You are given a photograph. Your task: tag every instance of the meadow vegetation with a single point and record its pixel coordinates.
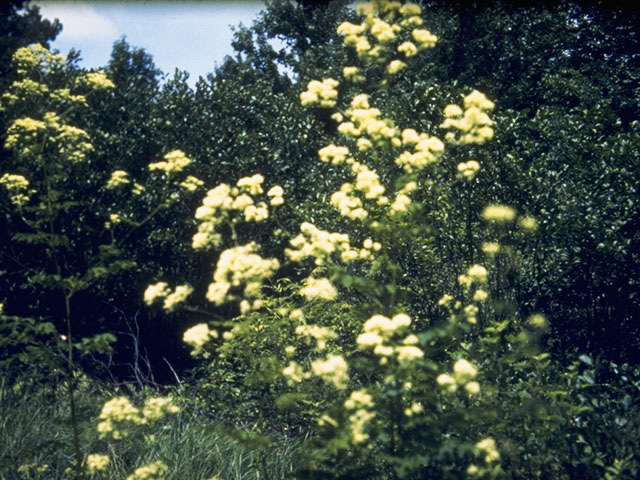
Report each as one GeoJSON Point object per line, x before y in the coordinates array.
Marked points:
{"type": "Point", "coordinates": [411, 256]}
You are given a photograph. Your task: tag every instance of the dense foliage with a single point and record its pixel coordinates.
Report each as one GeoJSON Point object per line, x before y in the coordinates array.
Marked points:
{"type": "Point", "coordinates": [339, 253]}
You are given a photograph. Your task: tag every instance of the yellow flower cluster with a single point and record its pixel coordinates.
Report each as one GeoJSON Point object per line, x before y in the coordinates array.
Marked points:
{"type": "Point", "coordinates": [191, 183]}
{"type": "Point", "coordinates": [499, 214]}
{"type": "Point", "coordinates": [359, 401]}
{"type": "Point", "coordinates": [536, 320]}
{"type": "Point", "coordinates": [353, 74]}
{"type": "Point", "coordinates": [36, 57]}
{"type": "Point", "coordinates": [463, 374]}
{"type": "Point", "coordinates": [171, 299]}
{"type": "Point", "coordinates": [317, 332]}
{"type": "Point", "coordinates": [528, 223]}
{"type": "Point", "coordinates": [488, 448]}
{"type": "Point", "coordinates": [333, 370]}
{"type": "Point", "coordinates": [367, 182]}
{"type": "Point", "coordinates": [98, 80]}
{"type": "Point", "coordinates": [313, 242]}
{"type": "Point", "coordinates": [474, 124]}
{"type": "Point", "coordinates": [198, 335]}
{"type": "Point", "coordinates": [115, 411]}
{"type": "Point", "coordinates": [475, 274]}
{"type": "Point", "coordinates": [237, 266]}
{"type": "Point", "coordinates": [426, 150]}
{"type": "Point", "coordinates": [364, 119]}
{"type": "Point", "coordinates": [349, 205]}
{"type": "Point", "coordinates": [378, 329]}
{"type": "Point", "coordinates": [276, 194]}
{"type": "Point", "coordinates": [402, 200]}
{"type": "Point", "coordinates": [322, 93]}
{"type": "Point", "coordinates": [223, 200]}
{"type": "Point", "coordinates": [118, 178]}
{"type": "Point", "coordinates": [153, 471]}
{"type": "Point", "coordinates": [318, 288]}
{"type": "Point", "coordinates": [17, 186]}
{"type": "Point", "coordinates": [120, 411]}
{"type": "Point", "coordinates": [384, 23]}
{"type": "Point", "coordinates": [333, 154]}
{"type": "Point", "coordinates": [97, 463]}
{"type": "Point", "coordinates": [64, 95]}
{"type": "Point", "coordinates": [175, 161]}
{"type": "Point", "coordinates": [295, 373]}
{"type": "Point", "coordinates": [491, 248]}
{"type": "Point", "coordinates": [469, 169]}
{"type": "Point", "coordinates": [71, 142]}
{"type": "Point", "coordinates": [25, 131]}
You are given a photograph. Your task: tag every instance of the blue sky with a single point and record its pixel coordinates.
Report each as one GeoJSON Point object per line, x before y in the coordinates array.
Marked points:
{"type": "Point", "coordinates": [191, 36]}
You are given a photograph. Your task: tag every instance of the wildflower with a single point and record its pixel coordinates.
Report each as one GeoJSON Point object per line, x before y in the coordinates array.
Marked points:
{"type": "Point", "coordinates": [320, 288]}
{"type": "Point", "coordinates": [480, 295]}
{"type": "Point", "coordinates": [488, 447]}
{"type": "Point", "coordinates": [99, 80]}
{"type": "Point", "coordinates": [17, 185]}
{"type": "Point", "coordinates": [97, 463]}
{"type": "Point", "coordinates": [369, 339]}
{"type": "Point", "coordinates": [153, 471]}
{"type": "Point", "coordinates": [276, 193]}
{"type": "Point", "coordinates": [179, 295]}
{"type": "Point", "coordinates": [358, 422]}
{"type": "Point", "coordinates": [424, 37]}
{"type": "Point", "coordinates": [464, 370]}
{"type": "Point", "coordinates": [320, 334]}
{"type": "Point", "coordinates": [335, 155]}
{"type": "Point", "coordinates": [447, 382]}
{"type": "Point", "coordinates": [175, 161]}
{"type": "Point", "coordinates": [198, 335]}
{"type": "Point", "coordinates": [378, 323]}
{"type": "Point", "coordinates": [406, 353]}
{"type": "Point", "coordinates": [191, 183]}
{"type": "Point", "coordinates": [158, 290]}
{"type": "Point", "coordinates": [115, 411]}
{"type": "Point", "coordinates": [469, 169]}
{"type": "Point", "coordinates": [252, 184]}
{"type": "Point", "coordinates": [472, 387]}
{"type": "Point", "coordinates": [382, 31]}
{"type": "Point", "coordinates": [400, 204]}
{"type": "Point", "coordinates": [348, 72]}
{"type": "Point", "coordinates": [118, 178]}
{"type": "Point", "coordinates": [323, 93]}
{"type": "Point", "coordinates": [395, 66]}
{"type": "Point", "coordinates": [445, 299]}
{"type": "Point", "coordinates": [293, 372]}
{"type": "Point", "coordinates": [357, 399]}
{"type": "Point", "coordinates": [478, 100]}
{"type": "Point", "coordinates": [538, 321]}
{"type": "Point", "coordinates": [529, 223]}
{"type": "Point", "coordinates": [256, 213]}
{"type": "Point", "coordinates": [490, 248]}
{"type": "Point", "coordinates": [478, 273]}
{"type": "Point", "coordinates": [452, 111]}
{"type": "Point", "coordinates": [332, 369]}
{"type": "Point", "coordinates": [499, 213]}
{"type": "Point", "coordinates": [409, 9]}
{"type": "Point", "coordinates": [157, 407]}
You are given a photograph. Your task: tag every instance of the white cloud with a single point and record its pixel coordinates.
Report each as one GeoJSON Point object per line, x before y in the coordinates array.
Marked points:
{"type": "Point", "coordinates": [79, 20]}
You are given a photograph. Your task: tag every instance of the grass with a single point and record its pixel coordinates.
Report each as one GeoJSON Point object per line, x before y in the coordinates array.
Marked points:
{"type": "Point", "coordinates": [36, 439]}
